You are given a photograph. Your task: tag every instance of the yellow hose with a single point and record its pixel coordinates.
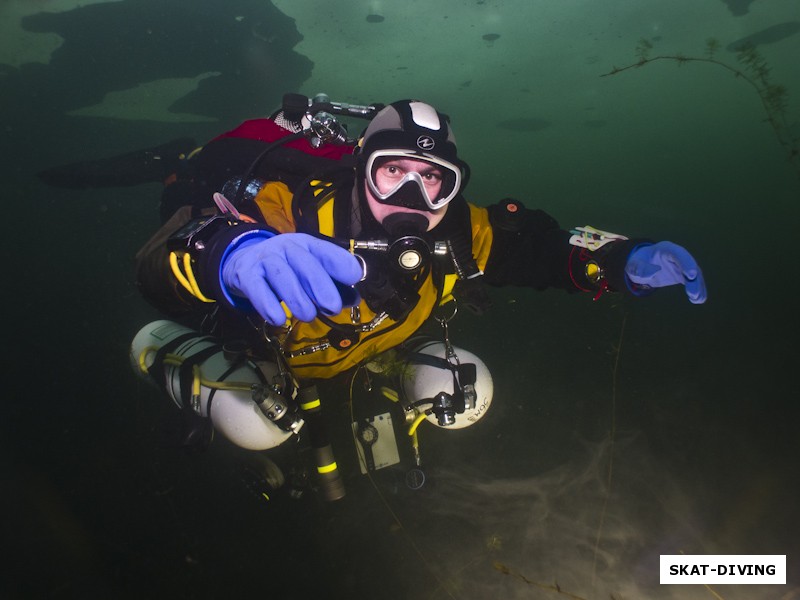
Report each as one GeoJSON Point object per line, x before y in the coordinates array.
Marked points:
{"type": "Point", "coordinates": [187, 266]}
{"type": "Point", "coordinates": [390, 394]}
{"type": "Point", "coordinates": [176, 271]}
{"type": "Point", "coordinates": [188, 280]}
{"type": "Point", "coordinates": [412, 431]}
{"type": "Point", "coordinates": [175, 360]}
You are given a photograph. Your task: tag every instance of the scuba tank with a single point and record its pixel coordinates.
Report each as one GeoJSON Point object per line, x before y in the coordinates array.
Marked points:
{"type": "Point", "coordinates": [431, 381]}
{"type": "Point", "coordinates": [245, 401]}
{"type": "Point", "coordinates": [452, 387]}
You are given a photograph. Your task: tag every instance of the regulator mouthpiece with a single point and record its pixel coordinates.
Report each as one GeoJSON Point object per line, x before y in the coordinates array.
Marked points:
{"type": "Point", "coordinates": [404, 224]}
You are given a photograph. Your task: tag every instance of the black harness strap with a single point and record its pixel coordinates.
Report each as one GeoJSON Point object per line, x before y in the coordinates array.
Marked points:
{"type": "Point", "coordinates": [467, 372]}
{"type": "Point", "coordinates": [186, 373]}
{"type": "Point", "coordinates": [156, 370]}
{"type": "Point", "coordinates": [336, 179]}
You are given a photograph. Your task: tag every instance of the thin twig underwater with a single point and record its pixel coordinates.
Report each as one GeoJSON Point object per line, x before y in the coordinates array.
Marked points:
{"type": "Point", "coordinates": [612, 434]}
{"type": "Point", "coordinates": [555, 587]}
{"type": "Point", "coordinates": [754, 70]}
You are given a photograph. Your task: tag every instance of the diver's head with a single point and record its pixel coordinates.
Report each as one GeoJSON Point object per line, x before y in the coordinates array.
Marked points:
{"type": "Point", "coordinates": [408, 167]}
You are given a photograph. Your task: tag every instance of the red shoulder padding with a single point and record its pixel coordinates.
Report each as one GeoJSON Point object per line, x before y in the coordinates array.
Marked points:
{"type": "Point", "coordinates": [266, 130]}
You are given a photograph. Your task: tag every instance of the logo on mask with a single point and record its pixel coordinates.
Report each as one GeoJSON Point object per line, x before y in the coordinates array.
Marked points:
{"type": "Point", "coordinates": [425, 142]}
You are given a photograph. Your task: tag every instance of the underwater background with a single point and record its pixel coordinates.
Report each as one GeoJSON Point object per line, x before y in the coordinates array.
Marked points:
{"type": "Point", "coordinates": [620, 430]}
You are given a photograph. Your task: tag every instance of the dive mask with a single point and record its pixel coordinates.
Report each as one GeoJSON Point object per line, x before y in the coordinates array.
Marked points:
{"type": "Point", "coordinates": [409, 188]}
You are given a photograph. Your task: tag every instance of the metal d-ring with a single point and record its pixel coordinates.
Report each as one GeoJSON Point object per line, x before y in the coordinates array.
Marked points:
{"type": "Point", "coordinates": [439, 309]}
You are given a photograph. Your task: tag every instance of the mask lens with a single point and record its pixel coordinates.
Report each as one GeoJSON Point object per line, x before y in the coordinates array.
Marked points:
{"type": "Point", "coordinates": [388, 171]}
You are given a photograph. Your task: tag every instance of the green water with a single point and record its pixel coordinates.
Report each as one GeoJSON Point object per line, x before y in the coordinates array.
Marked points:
{"type": "Point", "coordinates": [700, 399]}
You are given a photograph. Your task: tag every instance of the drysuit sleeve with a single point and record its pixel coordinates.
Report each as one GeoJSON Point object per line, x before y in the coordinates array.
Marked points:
{"type": "Point", "coordinates": [154, 278]}
{"type": "Point", "coordinates": [528, 248]}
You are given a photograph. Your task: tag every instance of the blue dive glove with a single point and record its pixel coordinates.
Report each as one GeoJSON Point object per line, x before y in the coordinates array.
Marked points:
{"type": "Point", "coordinates": [294, 268]}
{"type": "Point", "coordinates": [662, 264]}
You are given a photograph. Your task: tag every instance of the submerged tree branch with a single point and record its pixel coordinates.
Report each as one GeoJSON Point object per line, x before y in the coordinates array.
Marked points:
{"type": "Point", "coordinates": [754, 71]}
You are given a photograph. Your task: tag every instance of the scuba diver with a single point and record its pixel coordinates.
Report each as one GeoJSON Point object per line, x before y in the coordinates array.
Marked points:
{"type": "Point", "coordinates": [320, 253]}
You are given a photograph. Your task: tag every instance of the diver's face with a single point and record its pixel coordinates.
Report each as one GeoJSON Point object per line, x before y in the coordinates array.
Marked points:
{"type": "Point", "coordinates": [390, 173]}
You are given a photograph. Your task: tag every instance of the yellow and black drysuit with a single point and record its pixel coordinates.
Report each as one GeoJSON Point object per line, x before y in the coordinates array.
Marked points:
{"type": "Point", "coordinates": [508, 243]}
